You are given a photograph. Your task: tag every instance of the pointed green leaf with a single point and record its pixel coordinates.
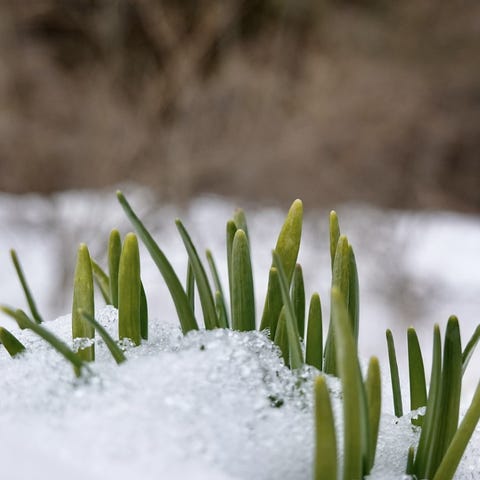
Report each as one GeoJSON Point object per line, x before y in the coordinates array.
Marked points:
{"type": "Point", "coordinates": [190, 286]}
{"type": "Point", "coordinates": [281, 337]}
{"type": "Point", "coordinates": [230, 233]}
{"type": "Point", "coordinates": [459, 442]}
{"type": "Point", "coordinates": [395, 378]}
{"type": "Point", "coordinates": [102, 280]}
{"type": "Point", "coordinates": [179, 297]}
{"type": "Point", "coordinates": [314, 350]}
{"type": "Point", "coordinates": [143, 313]}
{"type": "Point", "coordinates": [410, 461]}
{"type": "Point", "coordinates": [114, 252]}
{"type": "Point", "coordinates": [112, 346]}
{"type": "Point", "coordinates": [220, 302]}
{"type": "Point", "coordinates": [349, 370]}
{"type": "Point", "coordinates": [426, 444]}
{"type": "Point", "coordinates": [353, 294]}
{"type": "Point", "coordinates": [83, 298]}
{"type": "Point", "coordinates": [221, 311]}
{"type": "Point", "coordinates": [418, 386]}
{"type": "Point", "coordinates": [374, 402]}
{"type": "Point", "coordinates": [273, 303]}
{"type": "Point", "coordinates": [129, 291]}
{"type": "Point", "coordinates": [334, 235]}
{"type": "Point", "coordinates": [62, 348]}
{"type": "Point", "coordinates": [12, 345]}
{"type": "Point", "coordinates": [240, 221]}
{"type": "Point", "coordinates": [243, 301]}
{"type": "Point", "coordinates": [298, 299]}
{"type": "Point", "coordinates": [30, 300]}
{"type": "Point", "coordinates": [287, 247]}
{"type": "Point", "coordinates": [296, 355]}
{"type": "Point", "coordinates": [340, 280]}
{"type": "Point", "coordinates": [470, 348]}
{"type": "Point", "coordinates": [446, 420]}
{"type": "Point", "coordinates": [203, 285]}
{"type": "Point", "coordinates": [325, 466]}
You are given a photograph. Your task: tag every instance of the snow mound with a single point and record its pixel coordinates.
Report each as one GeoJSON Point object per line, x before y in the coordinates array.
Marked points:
{"type": "Point", "coordinates": [211, 405]}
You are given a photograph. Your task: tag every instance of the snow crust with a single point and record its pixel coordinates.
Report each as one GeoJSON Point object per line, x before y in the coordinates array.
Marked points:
{"type": "Point", "coordinates": [214, 405]}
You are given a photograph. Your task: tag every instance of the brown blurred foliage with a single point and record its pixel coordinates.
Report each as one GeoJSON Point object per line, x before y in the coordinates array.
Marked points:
{"type": "Point", "coordinates": [366, 100]}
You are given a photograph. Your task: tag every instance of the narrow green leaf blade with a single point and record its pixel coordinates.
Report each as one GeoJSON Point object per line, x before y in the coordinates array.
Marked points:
{"type": "Point", "coordinates": [353, 294]}
{"type": "Point", "coordinates": [426, 444]}
{"type": "Point", "coordinates": [325, 466]}
{"type": "Point", "coordinates": [103, 282]}
{"type": "Point", "coordinates": [459, 442]}
{"type": "Point", "coordinates": [190, 286]}
{"type": "Point", "coordinates": [129, 291]}
{"type": "Point", "coordinates": [334, 235]}
{"type": "Point", "coordinates": [314, 348]}
{"type": "Point", "coordinates": [203, 285]}
{"type": "Point", "coordinates": [273, 303]}
{"type": "Point", "coordinates": [112, 346]}
{"type": "Point", "coordinates": [281, 337]}
{"type": "Point", "coordinates": [340, 281]}
{"type": "Point", "coordinates": [28, 294]}
{"type": "Point", "coordinates": [143, 313]}
{"type": "Point", "coordinates": [373, 390]}
{"type": "Point", "coordinates": [470, 348]}
{"type": "Point", "coordinates": [230, 234]}
{"type": "Point", "coordinates": [62, 348]}
{"type": "Point", "coordinates": [298, 299]}
{"type": "Point", "coordinates": [221, 303]}
{"type": "Point", "coordinates": [12, 345]}
{"type": "Point", "coordinates": [349, 370]}
{"type": "Point", "coordinates": [243, 301]}
{"type": "Point", "coordinates": [114, 252]}
{"type": "Point", "coordinates": [418, 386]}
{"type": "Point", "coordinates": [179, 297]}
{"type": "Point", "coordinates": [287, 247]}
{"type": "Point", "coordinates": [296, 355]}
{"type": "Point", "coordinates": [83, 298]}
{"type": "Point", "coordinates": [448, 412]}
{"type": "Point", "coordinates": [395, 378]}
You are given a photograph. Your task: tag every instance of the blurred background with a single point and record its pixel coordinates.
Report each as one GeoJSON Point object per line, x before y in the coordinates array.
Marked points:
{"type": "Point", "coordinates": [333, 100]}
{"type": "Point", "coordinates": [371, 107]}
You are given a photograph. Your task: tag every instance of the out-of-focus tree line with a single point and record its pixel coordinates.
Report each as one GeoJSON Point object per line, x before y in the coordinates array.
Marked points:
{"type": "Point", "coordinates": [363, 100]}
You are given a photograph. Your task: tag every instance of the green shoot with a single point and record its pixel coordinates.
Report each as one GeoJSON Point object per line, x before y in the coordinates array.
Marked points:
{"type": "Point", "coordinates": [103, 282]}
{"type": "Point", "coordinates": [204, 291]}
{"type": "Point", "coordinates": [395, 378]}
{"type": "Point", "coordinates": [243, 302]}
{"type": "Point", "coordinates": [374, 402]}
{"type": "Point", "coordinates": [220, 302]}
{"type": "Point", "coordinates": [295, 349]}
{"type": "Point", "coordinates": [12, 345]}
{"type": "Point", "coordinates": [470, 348]}
{"type": "Point", "coordinates": [349, 369]}
{"type": "Point", "coordinates": [298, 299]}
{"type": "Point", "coordinates": [281, 337]}
{"type": "Point", "coordinates": [314, 350]}
{"type": "Point", "coordinates": [325, 466]}
{"type": "Point", "coordinates": [180, 299]}
{"type": "Point", "coordinates": [287, 247]}
{"type": "Point", "coordinates": [129, 291]}
{"type": "Point", "coordinates": [83, 299]}
{"type": "Point", "coordinates": [31, 302]}
{"type": "Point", "coordinates": [62, 348]}
{"type": "Point", "coordinates": [418, 387]}
{"type": "Point", "coordinates": [114, 252]}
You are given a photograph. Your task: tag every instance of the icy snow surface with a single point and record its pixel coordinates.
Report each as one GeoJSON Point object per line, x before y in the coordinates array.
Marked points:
{"type": "Point", "coordinates": [213, 405]}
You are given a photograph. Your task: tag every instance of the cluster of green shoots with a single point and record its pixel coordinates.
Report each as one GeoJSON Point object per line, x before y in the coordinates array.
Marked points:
{"type": "Point", "coordinates": [442, 440]}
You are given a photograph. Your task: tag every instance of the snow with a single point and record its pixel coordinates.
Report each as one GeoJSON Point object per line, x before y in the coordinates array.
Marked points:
{"type": "Point", "coordinates": [206, 406]}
